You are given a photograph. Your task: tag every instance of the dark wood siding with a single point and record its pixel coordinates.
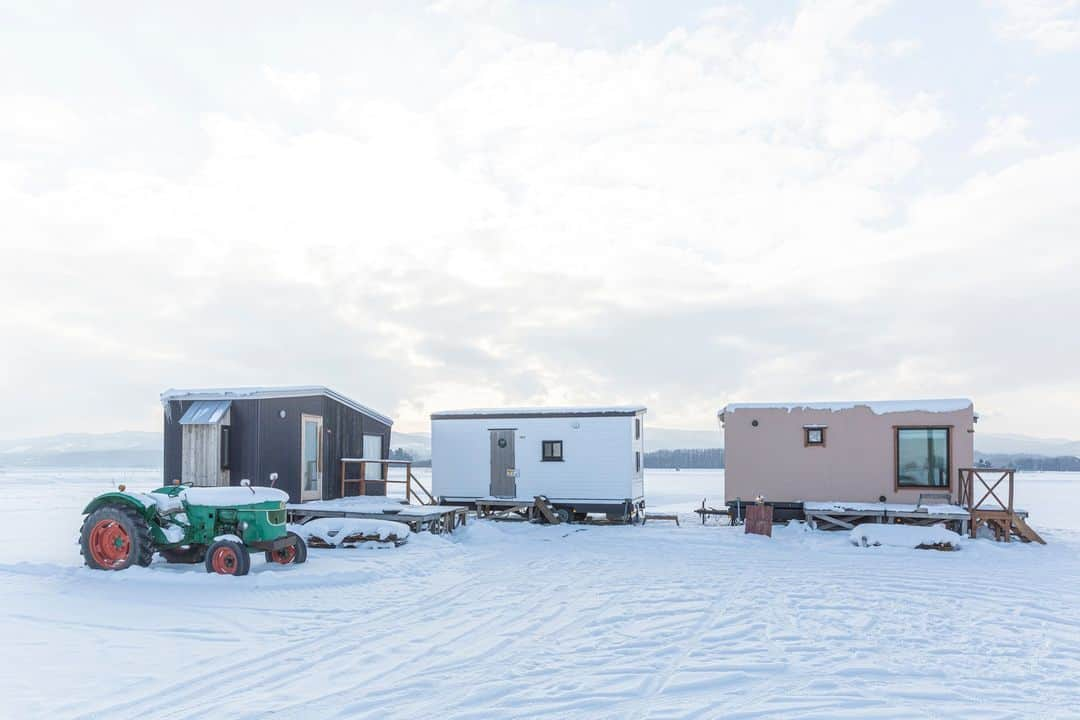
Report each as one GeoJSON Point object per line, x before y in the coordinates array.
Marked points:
{"type": "Point", "coordinates": [279, 440]}
{"type": "Point", "coordinates": [262, 442]}
{"type": "Point", "coordinates": [171, 437]}
{"type": "Point", "coordinates": [345, 438]}
{"type": "Point", "coordinates": [244, 443]}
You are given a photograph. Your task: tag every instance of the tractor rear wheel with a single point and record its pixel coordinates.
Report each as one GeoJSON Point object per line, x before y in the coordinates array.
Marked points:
{"type": "Point", "coordinates": [185, 554]}
{"type": "Point", "coordinates": [227, 557]}
{"type": "Point", "coordinates": [295, 554]}
{"type": "Point", "coordinates": [115, 537]}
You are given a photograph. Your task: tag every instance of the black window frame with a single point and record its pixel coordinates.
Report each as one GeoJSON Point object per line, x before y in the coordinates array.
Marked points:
{"type": "Point", "coordinates": [807, 442]}
{"type": "Point", "coordinates": [547, 451]}
{"type": "Point", "coordinates": [637, 428]}
{"type": "Point", "coordinates": [637, 462]}
{"type": "Point", "coordinates": [948, 457]}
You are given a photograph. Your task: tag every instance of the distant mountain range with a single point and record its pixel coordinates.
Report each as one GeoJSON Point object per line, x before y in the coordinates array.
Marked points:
{"type": "Point", "coordinates": [121, 449]}
{"type": "Point", "coordinates": [143, 449]}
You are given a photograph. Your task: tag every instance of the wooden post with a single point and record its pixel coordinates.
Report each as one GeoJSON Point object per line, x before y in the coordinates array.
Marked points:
{"type": "Point", "coordinates": [342, 479]}
{"type": "Point", "coordinates": [363, 481]}
{"type": "Point", "coordinates": [1009, 521]}
{"type": "Point", "coordinates": [408, 482]}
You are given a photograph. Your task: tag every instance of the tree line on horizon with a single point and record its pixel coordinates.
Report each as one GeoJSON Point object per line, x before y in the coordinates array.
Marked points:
{"type": "Point", "coordinates": [713, 458]}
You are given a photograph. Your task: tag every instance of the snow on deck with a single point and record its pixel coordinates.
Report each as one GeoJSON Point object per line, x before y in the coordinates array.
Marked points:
{"type": "Point", "coordinates": [878, 407]}
{"type": "Point", "coordinates": [843, 507]}
{"type": "Point", "coordinates": [356, 503]}
{"type": "Point", "coordinates": [335, 530]}
{"type": "Point", "coordinates": [373, 504]}
{"type": "Point", "coordinates": [530, 621]}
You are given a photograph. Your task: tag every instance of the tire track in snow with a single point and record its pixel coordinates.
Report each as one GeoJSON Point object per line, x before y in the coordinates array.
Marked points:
{"type": "Point", "coordinates": [170, 700]}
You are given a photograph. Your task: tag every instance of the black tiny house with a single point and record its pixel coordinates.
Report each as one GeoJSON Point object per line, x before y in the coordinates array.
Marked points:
{"type": "Point", "coordinates": [223, 436]}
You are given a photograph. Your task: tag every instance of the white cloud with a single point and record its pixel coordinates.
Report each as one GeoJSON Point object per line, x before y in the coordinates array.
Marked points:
{"type": "Point", "coordinates": [726, 211]}
{"type": "Point", "coordinates": [302, 88]}
{"type": "Point", "coordinates": [903, 47]}
{"type": "Point", "coordinates": [1051, 25]}
{"type": "Point", "coordinates": [38, 120]}
{"type": "Point", "coordinates": [1003, 134]}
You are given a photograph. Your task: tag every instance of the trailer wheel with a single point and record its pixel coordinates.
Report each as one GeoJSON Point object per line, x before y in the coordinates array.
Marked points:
{"type": "Point", "coordinates": [226, 557]}
{"type": "Point", "coordinates": [115, 537]}
{"type": "Point", "coordinates": [185, 554]}
{"type": "Point", "coordinates": [564, 515]}
{"type": "Point", "coordinates": [294, 554]}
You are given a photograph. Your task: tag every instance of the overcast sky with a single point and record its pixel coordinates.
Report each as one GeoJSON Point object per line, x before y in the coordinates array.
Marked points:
{"type": "Point", "coordinates": [429, 205]}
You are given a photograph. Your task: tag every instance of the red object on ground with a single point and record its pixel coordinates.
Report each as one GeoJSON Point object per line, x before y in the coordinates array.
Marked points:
{"type": "Point", "coordinates": [759, 520]}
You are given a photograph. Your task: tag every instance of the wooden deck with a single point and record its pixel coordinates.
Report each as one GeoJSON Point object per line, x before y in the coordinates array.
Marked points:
{"type": "Point", "coordinates": [985, 500]}
{"type": "Point", "coordinates": [846, 515]}
{"type": "Point", "coordinates": [437, 519]}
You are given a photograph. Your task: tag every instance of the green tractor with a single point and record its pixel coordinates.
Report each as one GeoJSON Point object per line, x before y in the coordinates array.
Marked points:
{"type": "Point", "coordinates": [217, 526]}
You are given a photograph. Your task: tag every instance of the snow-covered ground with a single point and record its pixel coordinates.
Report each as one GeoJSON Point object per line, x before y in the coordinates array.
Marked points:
{"type": "Point", "coordinates": [515, 620]}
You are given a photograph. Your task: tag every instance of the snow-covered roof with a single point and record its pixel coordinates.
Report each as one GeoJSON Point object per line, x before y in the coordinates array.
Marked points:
{"type": "Point", "coordinates": [259, 393]}
{"type": "Point", "coordinates": [525, 412]}
{"type": "Point", "coordinates": [878, 407]}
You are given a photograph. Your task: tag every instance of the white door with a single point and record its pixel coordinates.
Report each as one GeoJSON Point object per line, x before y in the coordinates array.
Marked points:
{"type": "Point", "coordinates": [311, 463]}
{"type": "Point", "coordinates": [373, 449]}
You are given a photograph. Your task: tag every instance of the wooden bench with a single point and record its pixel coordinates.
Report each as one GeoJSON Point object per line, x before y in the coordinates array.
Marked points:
{"type": "Point", "coordinates": [660, 516]}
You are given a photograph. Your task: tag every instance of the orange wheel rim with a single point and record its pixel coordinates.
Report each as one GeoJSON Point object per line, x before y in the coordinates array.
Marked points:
{"type": "Point", "coordinates": [225, 561]}
{"type": "Point", "coordinates": [285, 555]}
{"type": "Point", "coordinates": [110, 544]}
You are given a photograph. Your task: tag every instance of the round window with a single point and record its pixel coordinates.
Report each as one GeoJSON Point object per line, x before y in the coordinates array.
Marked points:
{"type": "Point", "coordinates": [502, 442]}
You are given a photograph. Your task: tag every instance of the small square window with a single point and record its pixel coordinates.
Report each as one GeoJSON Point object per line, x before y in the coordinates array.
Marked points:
{"type": "Point", "coordinates": [815, 436]}
{"type": "Point", "coordinates": [551, 451]}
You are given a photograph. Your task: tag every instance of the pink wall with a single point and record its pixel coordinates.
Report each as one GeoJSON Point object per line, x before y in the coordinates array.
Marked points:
{"type": "Point", "coordinates": [857, 463]}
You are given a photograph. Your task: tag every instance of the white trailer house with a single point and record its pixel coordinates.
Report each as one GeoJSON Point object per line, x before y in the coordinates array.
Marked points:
{"type": "Point", "coordinates": [583, 459]}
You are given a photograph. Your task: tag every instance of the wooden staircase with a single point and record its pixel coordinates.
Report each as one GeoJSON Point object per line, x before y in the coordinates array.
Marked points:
{"type": "Point", "coordinates": [410, 490]}
{"type": "Point", "coordinates": [1000, 516]}
{"type": "Point", "coordinates": [1004, 526]}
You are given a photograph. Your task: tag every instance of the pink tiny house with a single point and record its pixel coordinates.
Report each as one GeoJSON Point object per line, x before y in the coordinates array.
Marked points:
{"type": "Point", "coordinates": [855, 452]}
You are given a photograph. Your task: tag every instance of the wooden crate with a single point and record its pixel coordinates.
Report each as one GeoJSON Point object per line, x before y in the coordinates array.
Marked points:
{"type": "Point", "coordinates": [759, 519]}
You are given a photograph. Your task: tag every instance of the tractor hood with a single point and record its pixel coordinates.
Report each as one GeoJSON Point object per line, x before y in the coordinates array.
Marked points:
{"type": "Point", "coordinates": [232, 496]}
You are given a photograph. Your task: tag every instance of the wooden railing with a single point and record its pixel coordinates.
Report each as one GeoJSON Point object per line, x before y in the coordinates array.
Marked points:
{"type": "Point", "coordinates": [968, 488]}
{"type": "Point", "coordinates": [412, 485]}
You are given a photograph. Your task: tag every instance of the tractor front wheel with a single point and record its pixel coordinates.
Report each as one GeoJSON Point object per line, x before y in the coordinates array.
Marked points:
{"type": "Point", "coordinates": [227, 557]}
{"type": "Point", "coordinates": [296, 553]}
{"type": "Point", "coordinates": [115, 537]}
